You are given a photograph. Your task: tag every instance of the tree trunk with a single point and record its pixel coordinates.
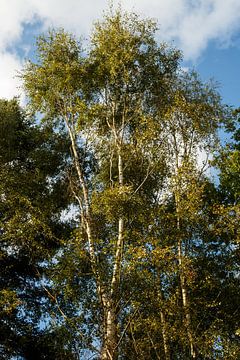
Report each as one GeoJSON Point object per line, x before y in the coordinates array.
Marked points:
{"type": "Point", "coordinates": [164, 335]}
{"type": "Point", "coordinates": [109, 347]}
{"type": "Point", "coordinates": [164, 324]}
{"type": "Point", "coordinates": [109, 300]}
{"type": "Point", "coordinates": [185, 302]}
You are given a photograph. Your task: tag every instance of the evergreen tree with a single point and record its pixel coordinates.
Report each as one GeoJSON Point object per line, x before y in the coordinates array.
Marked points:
{"type": "Point", "coordinates": [32, 162]}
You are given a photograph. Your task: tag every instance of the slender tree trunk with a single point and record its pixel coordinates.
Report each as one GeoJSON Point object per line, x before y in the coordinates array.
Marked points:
{"type": "Point", "coordinates": [185, 302]}
{"type": "Point", "coordinates": [164, 335]}
{"type": "Point", "coordinates": [109, 300]}
{"type": "Point", "coordinates": [87, 215]}
{"type": "Point", "coordinates": [119, 245]}
{"type": "Point", "coordinates": [109, 347]}
{"type": "Point", "coordinates": [109, 350]}
{"type": "Point", "coordinates": [164, 324]}
{"type": "Point", "coordinates": [186, 305]}
{"type": "Point", "coordinates": [184, 293]}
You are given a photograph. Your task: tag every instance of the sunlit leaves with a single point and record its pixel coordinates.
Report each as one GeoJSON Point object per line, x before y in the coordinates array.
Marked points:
{"type": "Point", "coordinates": [137, 125]}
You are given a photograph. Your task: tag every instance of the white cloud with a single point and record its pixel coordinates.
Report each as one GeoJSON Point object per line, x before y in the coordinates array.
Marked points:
{"type": "Point", "coordinates": [9, 82]}
{"type": "Point", "coordinates": [13, 14]}
{"type": "Point", "coordinates": [74, 15]}
{"type": "Point", "coordinates": [190, 23]}
{"type": "Point", "coordinates": [212, 20]}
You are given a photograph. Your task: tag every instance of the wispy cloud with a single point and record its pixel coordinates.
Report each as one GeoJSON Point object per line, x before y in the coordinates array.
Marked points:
{"type": "Point", "coordinates": [190, 24]}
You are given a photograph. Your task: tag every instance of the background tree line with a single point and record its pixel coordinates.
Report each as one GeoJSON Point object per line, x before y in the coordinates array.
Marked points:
{"type": "Point", "coordinates": [115, 242]}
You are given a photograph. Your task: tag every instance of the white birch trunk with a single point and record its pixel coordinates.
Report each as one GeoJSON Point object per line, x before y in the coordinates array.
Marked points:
{"type": "Point", "coordinates": [185, 302]}
{"type": "Point", "coordinates": [118, 254]}
{"type": "Point", "coordinates": [109, 350]}
{"type": "Point", "coordinates": [110, 326]}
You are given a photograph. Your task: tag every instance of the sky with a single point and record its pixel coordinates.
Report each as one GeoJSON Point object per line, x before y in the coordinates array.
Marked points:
{"type": "Point", "coordinates": [207, 32]}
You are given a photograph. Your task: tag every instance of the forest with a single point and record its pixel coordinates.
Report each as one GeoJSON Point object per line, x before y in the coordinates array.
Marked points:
{"type": "Point", "coordinates": [119, 203]}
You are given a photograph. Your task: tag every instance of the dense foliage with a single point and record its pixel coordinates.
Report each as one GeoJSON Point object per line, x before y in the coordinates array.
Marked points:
{"type": "Point", "coordinates": [115, 242]}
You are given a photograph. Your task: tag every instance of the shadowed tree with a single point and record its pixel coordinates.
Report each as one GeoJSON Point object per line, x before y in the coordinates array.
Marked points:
{"type": "Point", "coordinates": [32, 161]}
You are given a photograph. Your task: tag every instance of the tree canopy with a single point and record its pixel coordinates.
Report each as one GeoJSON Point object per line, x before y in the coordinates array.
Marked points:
{"type": "Point", "coordinates": [115, 242]}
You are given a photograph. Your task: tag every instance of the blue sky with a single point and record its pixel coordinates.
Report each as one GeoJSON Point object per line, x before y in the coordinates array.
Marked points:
{"type": "Point", "coordinates": [207, 31]}
{"type": "Point", "coordinates": [223, 64]}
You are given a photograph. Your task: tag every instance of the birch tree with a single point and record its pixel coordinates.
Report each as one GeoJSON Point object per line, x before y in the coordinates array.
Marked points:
{"type": "Point", "coordinates": [136, 125]}
{"type": "Point", "coordinates": [105, 101]}
{"type": "Point", "coordinates": [191, 123]}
